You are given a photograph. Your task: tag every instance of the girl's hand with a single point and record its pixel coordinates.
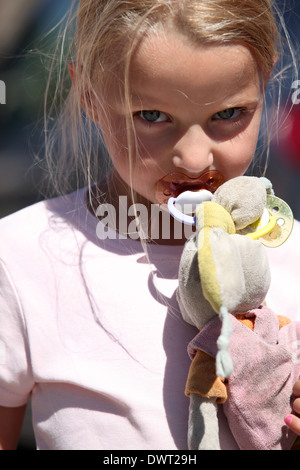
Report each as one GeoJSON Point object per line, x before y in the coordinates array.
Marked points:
{"type": "Point", "coordinates": [292, 421]}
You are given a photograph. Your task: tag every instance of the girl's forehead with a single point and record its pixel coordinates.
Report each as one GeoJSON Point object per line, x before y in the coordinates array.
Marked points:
{"type": "Point", "coordinates": [172, 63]}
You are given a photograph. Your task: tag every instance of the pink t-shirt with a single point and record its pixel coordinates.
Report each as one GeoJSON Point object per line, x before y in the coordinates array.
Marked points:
{"type": "Point", "coordinates": [93, 333]}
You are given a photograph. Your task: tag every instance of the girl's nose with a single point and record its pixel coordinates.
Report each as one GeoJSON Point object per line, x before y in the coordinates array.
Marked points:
{"type": "Point", "coordinates": [193, 152]}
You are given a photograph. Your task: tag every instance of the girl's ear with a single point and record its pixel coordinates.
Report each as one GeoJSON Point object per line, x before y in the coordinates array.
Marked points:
{"type": "Point", "coordinates": [85, 97]}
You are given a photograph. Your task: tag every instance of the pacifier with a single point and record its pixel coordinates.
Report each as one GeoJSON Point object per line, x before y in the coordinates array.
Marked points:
{"type": "Point", "coordinates": [182, 193]}
{"type": "Point", "coordinates": [275, 225]}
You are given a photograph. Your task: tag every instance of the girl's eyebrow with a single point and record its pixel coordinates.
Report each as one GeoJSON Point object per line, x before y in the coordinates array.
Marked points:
{"type": "Point", "coordinates": [151, 102]}
{"type": "Point", "coordinates": [143, 99]}
{"type": "Point", "coordinates": [240, 101]}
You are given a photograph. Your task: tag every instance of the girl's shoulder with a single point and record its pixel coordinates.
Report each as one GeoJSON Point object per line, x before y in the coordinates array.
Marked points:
{"type": "Point", "coordinates": [39, 215]}
{"type": "Point", "coordinates": [286, 257]}
{"type": "Point", "coordinates": [290, 248]}
{"type": "Point", "coordinates": [284, 261]}
{"type": "Point", "coordinates": [62, 215]}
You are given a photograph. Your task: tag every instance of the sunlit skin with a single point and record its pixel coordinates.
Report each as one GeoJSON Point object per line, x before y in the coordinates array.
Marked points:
{"type": "Point", "coordinates": [291, 420]}
{"type": "Point", "coordinates": [194, 108]}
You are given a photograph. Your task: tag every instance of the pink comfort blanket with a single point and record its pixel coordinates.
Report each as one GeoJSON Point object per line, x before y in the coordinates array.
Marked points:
{"type": "Point", "coordinates": [266, 365]}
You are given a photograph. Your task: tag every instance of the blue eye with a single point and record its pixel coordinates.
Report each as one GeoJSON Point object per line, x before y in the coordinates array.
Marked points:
{"type": "Point", "coordinates": [227, 114]}
{"type": "Point", "coordinates": [153, 116]}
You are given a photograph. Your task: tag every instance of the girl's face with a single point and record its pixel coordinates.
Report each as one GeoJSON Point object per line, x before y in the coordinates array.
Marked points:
{"type": "Point", "coordinates": [194, 109]}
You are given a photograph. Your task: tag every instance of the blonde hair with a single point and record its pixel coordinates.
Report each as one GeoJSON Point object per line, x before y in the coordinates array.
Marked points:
{"type": "Point", "coordinates": [104, 34]}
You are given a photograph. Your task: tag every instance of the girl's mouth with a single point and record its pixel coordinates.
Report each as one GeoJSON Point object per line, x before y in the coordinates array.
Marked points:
{"type": "Point", "coordinates": [175, 183]}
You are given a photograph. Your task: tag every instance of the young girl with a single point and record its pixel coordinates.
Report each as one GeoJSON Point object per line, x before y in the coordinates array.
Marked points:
{"type": "Point", "coordinates": [90, 326]}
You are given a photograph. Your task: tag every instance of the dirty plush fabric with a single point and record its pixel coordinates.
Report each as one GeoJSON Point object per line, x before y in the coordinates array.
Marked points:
{"type": "Point", "coordinates": [266, 366]}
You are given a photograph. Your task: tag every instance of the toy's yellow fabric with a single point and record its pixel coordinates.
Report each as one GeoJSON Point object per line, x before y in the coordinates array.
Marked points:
{"type": "Point", "coordinates": [211, 216]}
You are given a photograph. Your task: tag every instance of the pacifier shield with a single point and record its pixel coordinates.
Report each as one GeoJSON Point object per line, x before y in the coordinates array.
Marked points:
{"type": "Point", "coordinates": [175, 183]}
{"type": "Point", "coordinates": [283, 214]}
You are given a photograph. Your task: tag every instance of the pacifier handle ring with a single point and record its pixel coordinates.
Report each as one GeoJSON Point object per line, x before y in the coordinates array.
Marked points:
{"type": "Point", "coordinates": [180, 216]}
{"type": "Point", "coordinates": [264, 230]}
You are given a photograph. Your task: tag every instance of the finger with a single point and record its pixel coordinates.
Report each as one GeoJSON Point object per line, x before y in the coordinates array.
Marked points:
{"type": "Point", "coordinates": [296, 389]}
{"type": "Point", "coordinates": [293, 423]}
{"type": "Point", "coordinates": [296, 405]}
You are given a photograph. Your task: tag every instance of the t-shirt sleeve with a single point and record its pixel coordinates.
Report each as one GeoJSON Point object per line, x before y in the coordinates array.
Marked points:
{"type": "Point", "coordinates": [16, 378]}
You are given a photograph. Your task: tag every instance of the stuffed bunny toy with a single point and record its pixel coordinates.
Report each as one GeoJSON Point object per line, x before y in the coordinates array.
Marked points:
{"type": "Point", "coordinates": [244, 355]}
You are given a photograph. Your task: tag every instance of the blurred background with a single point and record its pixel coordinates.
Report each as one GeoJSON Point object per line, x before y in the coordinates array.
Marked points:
{"type": "Point", "coordinates": [23, 71]}
{"type": "Point", "coordinates": [25, 28]}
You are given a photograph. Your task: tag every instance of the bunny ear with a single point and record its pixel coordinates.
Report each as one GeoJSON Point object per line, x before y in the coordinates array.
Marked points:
{"type": "Point", "coordinates": [268, 185]}
{"type": "Point", "coordinates": [213, 222]}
